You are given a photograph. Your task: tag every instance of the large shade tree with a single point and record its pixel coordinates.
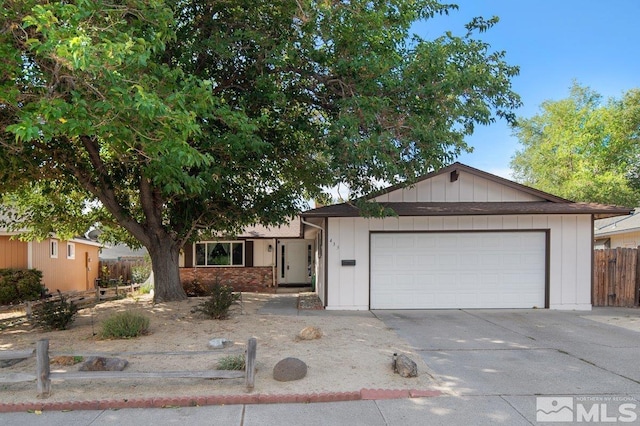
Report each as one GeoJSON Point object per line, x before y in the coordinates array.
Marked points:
{"type": "Point", "coordinates": [166, 119]}
{"type": "Point", "coordinates": [582, 148]}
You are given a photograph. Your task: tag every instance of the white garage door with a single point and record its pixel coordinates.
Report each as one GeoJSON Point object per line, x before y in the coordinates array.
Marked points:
{"type": "Point", "coordinates": [458, 270]}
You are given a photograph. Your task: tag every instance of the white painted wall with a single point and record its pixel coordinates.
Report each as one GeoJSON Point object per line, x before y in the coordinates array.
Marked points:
{"type": "Point", "coordinates": [570, 253]}
{"type": "Point", "coordinates": [261, 254]}
{"type": "Point", "coordinates": [626, 240]}
{"type": "Point", "coordinates": [467, 188]}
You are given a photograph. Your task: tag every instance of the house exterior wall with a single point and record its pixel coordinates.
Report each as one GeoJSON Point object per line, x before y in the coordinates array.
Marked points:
{"type": "Point", "coordinates": [467, 188]}
{"type": "Point", "coordinates": [626, 240]}
{"type": "Point", "coordinates": [66, 274]}
{"type": "Point", "coordinates": [13, 253]}
{"type": "Point", "coordinates": [257, 279]}
{"type": "Point", "coordinates": [261, 254]}
{"type": "Point", "coordinates": [570, 254]}
{"type": "Point", "coordinates": [318, 274]}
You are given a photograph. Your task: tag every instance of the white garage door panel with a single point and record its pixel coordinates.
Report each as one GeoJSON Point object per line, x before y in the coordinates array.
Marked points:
{"type": "Point", "coordinates": [458, 270]}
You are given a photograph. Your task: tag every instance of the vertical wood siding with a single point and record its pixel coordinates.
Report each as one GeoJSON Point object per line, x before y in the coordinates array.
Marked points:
{"type": "Point", "coordinates": [569, 257]}
{"type": "Point", "coordinates": [468, 188]}
{"type": "Point", "coordinates": [13, 253]}
{"type": "Point", "coordinates": [66, 274]}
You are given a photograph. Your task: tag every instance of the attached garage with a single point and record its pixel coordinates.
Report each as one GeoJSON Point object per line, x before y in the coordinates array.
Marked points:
{"type": "Point", "coordinates": [458, 238]}
{"type": "Point", "coordinates": [445, 270]}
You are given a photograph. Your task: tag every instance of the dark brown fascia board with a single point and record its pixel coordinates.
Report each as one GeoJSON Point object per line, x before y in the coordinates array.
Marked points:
{"type": "Point", "coordinates": [476, 209]}
{"type": "Point", "coordinates": [457, 166]}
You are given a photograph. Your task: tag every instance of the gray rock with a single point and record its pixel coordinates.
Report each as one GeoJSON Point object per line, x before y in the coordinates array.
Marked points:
{"type": "Point", "coordinates": [289, 369]}
{"type": "Point", "coordinates": [218, 343]}
{"type": "Point", "coordinates": [404, 366]}
{"type": "Point", "coordinates": [99, 363]}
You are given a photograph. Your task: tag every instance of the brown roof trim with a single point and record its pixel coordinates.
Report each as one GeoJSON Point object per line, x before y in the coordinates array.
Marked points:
{"type": "Point", "coordinates": [468, 169]}
{"type": "Point", "coordinates": [476, 209]}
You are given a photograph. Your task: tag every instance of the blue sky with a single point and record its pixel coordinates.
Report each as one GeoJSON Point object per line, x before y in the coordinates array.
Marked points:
{"type": "Point", "coordinates": [595, 42]}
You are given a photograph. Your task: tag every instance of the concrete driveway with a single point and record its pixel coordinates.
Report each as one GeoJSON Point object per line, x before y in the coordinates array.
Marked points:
{"type": "Point", "coordinates": [501, 360]}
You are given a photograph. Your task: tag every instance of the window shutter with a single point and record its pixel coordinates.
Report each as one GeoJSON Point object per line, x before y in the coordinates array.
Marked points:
{"type": "Point", "coordinates": [188, 256]}
{"type": "Point", "coordinates": [248, 254]}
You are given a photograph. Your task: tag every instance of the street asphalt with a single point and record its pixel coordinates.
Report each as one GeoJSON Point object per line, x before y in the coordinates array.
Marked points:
{"type": "Point", "coordinates": [511, 367]}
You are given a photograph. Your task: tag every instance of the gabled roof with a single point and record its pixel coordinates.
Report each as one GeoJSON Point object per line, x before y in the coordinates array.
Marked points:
{"type": "Point", "coordinates": [458, 167]}
{"type": "Point", "coordinates": [549, 204]}
{"type": "Point", "coordinates": [618, 225]}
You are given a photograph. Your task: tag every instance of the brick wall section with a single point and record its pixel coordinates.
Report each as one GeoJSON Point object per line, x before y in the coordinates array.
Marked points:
{"type": "Point", "coordinates": [248, 279]}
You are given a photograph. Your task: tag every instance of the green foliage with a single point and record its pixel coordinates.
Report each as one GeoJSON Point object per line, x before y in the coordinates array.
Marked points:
{"type": "Point", "coordinates": [159, 119]}
{"type": "Point", "coordinates": [146, 288]}
{"type": "Point", "coordinates": [20, 285]}
{"type": "Point", "coordinates": [218, 304]}
{"type": "Point", "coordinates": [140, 273]}
{"type": "Point", "coordinates": [125, 325]}
{"type": "Point", "coordinates": [582, 149]}
{"type": "Point", "coordinates": [232, 362]}
{"type": "Point", "coordinates": [55, 314]}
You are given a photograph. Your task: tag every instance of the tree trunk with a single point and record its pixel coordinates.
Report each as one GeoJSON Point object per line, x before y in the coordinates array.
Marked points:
{"type": "Point", "coordinates": [166, 275]}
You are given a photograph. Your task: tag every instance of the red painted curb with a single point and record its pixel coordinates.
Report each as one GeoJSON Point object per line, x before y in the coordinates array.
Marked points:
{"type": "Point", "coordinates": [193, 401]}
{"type": "Point", "coordinates": [370, 394]}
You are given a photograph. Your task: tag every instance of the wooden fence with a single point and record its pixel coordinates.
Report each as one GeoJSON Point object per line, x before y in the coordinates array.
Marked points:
{"type": "Point", "coordinates": [43, 376]}
{"type": "Point", "coordinates": [616, 277]}
{"type": "Point", "coordinates": [118, 270]}
{"type": "Point", "coordinates": [81, 299]}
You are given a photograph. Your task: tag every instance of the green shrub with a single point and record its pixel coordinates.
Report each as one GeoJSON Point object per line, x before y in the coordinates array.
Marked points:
{"type": "Point", "coordinates": [232, 362]}
{"type": "Point", "coordinates": [55, 314]}
{"type": "Point", "coordinates": [218, 304]}
{"type": "Point", "coordinates": [125, 325]}
{"type": "Point", "coordinates": [140, 273]}
{"type": "Point", "coordinates": [20, 285]}
{"type": "Point", "coordinates": [146, 288]}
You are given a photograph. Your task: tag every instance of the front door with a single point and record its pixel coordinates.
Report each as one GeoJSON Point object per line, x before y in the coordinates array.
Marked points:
{"type": "Point", "coordinates": [293, 262]}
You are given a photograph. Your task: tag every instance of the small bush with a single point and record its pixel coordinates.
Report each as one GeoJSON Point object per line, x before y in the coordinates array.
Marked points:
{"type": "Point", "coordinates": [20, 285]}
{"type": "Point", "coordinates": [195, 288]}
{"type": "Point", "coordinates": [146, 288]}
{"type": "Point", "coordinates": [232, 362]}
{"type": "Point", "coordinates": [140, 273]}
{"type": "Point", "coordinates": [218, 304]}
{"type": "Point", "coordinates": [55, 314]}
{"type": "Point", "coordinates": [125, 325]}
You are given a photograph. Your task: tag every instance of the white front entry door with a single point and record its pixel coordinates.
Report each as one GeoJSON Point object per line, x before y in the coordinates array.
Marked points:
{"type": "Point", "coordinates": [293, 262]}
{"type": "Point", "coordinates": [454, 270]}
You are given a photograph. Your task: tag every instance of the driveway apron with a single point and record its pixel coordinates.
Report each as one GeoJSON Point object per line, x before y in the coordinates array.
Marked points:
{"type": "Point", "coordinates": [523, 352]}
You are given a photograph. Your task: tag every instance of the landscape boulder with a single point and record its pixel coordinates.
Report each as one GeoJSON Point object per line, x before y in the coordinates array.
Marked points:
{"type": "Point", "coordinates": [99, 363]}
{"type": "Point", "coordinates": [404, 366]}
{"type": "Point", "coordinates": [218, 343]}
{"type": "Point", "coordinates": [289, 369]}
{"type": "Point", "coordinates": [310, 333]}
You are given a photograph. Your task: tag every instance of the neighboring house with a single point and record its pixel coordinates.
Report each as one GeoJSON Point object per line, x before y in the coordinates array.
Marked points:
{"type": "Point", "coordinates": [462, 238]}
{"type": "Point", "coordinates": [65, 265]}
{"type": "Point", "coordinates": [261, 259]}
{"type": "Point", "coordinates": [619, 231]}
{"type": "Point", "coordinates": [119, 252]}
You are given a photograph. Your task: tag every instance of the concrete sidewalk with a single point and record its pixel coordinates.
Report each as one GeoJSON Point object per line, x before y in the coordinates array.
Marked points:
{"type": "Point", "coordinates": [448, 410]}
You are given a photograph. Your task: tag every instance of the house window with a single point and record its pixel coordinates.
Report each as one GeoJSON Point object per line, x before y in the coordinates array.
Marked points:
{"type": "Point", "coordinates": [71, 251]}
{"type": "Point", "coordinates": [220, 253]}
{"type": "Point", "coordinates": [53, 249]}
